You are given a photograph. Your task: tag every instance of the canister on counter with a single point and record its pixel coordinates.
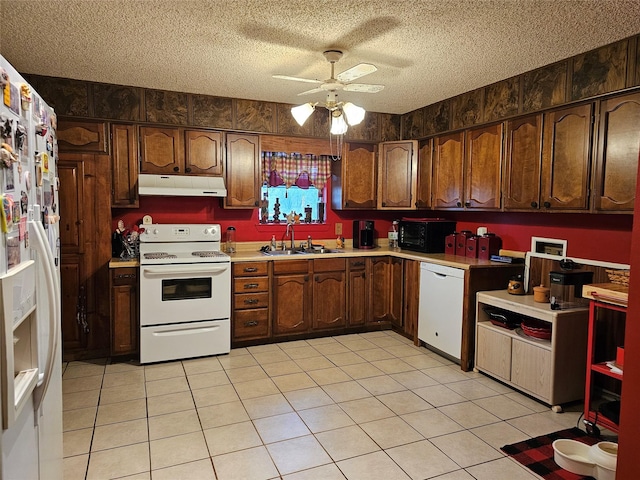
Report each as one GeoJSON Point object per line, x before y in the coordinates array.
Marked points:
{"type": "Point", "coordinates": [450, 243]}
{"type": "Point", "coordinates": [461, 242]}
{"type": "Point", "coordinates": [489, 244]}
{"type": "Point", "coordinates": [472, 246]}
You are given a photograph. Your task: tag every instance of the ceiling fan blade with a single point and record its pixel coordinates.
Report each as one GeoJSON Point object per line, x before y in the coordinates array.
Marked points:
{"type": "Point", "coordinates": [315, 90]}
{"type": "Point", "coordinates": [356, 71]}
{"type": "Point", "coordinates": [362, 87]}
{"type": "Point", "coordinates": [296, 79]}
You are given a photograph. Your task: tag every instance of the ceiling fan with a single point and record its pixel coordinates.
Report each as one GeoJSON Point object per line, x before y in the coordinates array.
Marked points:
{"type": "Point", "coordinates": [342, 81]}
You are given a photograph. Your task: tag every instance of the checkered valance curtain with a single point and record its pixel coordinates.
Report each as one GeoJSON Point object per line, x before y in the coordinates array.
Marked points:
{"type": "Point", "coordinates": [279, 168]}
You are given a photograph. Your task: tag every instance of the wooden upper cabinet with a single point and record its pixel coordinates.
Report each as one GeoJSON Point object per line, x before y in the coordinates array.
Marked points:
{"type": "Point", "coordinates": [522, 163]}
{"type": "Point", "coordinates": [397, 174]}
{"type": "Point", "coordinates": [448, 170]}
{"type": "Point", "coordinates": [203, 152]}
{"type": "Point", "coordinates": [425, 174]}
{"type": "Point", "coordinates": [242, 171]}
{"type": "Point", "coordinates": [124, 166]}
{"type": "Point", "coordinates": [566, 155]}
{"type": "Point", "coordinates": [482, 180]}
{"type": "Point", "coordinates": [616, 161]}
{"type": "Point", "coordinates": [82, 136]}
{"type": "Point", "coordinates": [353, 181]}
{"type": "Point", "coordinates": [161, 150]}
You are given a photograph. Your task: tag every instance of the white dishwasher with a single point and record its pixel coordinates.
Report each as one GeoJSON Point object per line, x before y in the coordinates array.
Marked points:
{"type": "Point", "coordinates": [440, 308]}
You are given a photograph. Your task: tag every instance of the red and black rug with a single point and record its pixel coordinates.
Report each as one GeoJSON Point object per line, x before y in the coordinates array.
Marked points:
{"type": "Point", "coordinates": [537, 454]}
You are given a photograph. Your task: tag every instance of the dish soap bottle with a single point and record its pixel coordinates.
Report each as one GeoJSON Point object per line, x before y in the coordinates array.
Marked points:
{"type": "Point", "coordinates": [393, 236]}
{"type": "Point", "coordinates": [274, 245]}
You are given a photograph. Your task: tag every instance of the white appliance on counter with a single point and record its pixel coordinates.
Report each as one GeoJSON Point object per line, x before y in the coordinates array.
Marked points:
{"type": "Point", "coordinates": [185, 293]}
{"type": "Point", "coordinates": [30, 350]}
{"type": "Point", "coordinates": [440, 308]}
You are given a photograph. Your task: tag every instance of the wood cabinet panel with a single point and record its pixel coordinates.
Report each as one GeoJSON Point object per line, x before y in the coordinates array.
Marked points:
{"type": "Point", "coordinates": [448, 169]}
{"type": "Point", "coordinates": [251, 284]}
{"type": "Point", "coordinates": [379, 289]}
{"type": "Point", "coordinates": [566, 156]}
{"type": "Point", "coordinates": [531, 368]}
{"type": "Point", "coordinates": [291, 303]}
{"type": "Point", "coordinates": [249, 269]}
{"type": "Point", "coordinates": [425, 174]}
{"type": "Point", "coordinates": [161, 150]}
{"type": "Point", "coordinates": [242, 171]}
{"type": "Point", "coordinates": [329, 265]}
{"type": "Point", "coordinates": [397, 175]}
{"type": "Point", "coordinates": [618, 149]}
{"type": "Point", "coordinates": [71, 198]}
{"type": "Point", "coordinates": [250, 300]}
{"type": "Point", "coordinates": [522, 163]}
{"type": "Point", "coordinates": [124, 166]}
{"type": "Point", "coordinates": [203, 152]}
{"type": "Point", "coordinates": [494, 352]}
{"type": "Point", "coordinates": [125, 323]}
{"type": "Point", "coordinates": [251, 324]}
{"type": "Point", "coordinates": [329, 300]}
{"type": "Point", "coordinates": [483, 167]}
{"type": "Point", "coordinates": [396, 300]}
{"type": "Point", "coordinates": [81, 136]}
{"type": "Point", "coordinates": [353, 182]}
{"type": "Point", "coordinates": [71, 275]}
{"type": "Point", "coordinates": [357, 297]}
{"type": "Point", "coordinates": [411, 289]}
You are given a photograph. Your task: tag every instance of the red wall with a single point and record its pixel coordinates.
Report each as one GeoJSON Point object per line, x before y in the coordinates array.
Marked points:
{"type": "Point", "coordinates": [596, 237]}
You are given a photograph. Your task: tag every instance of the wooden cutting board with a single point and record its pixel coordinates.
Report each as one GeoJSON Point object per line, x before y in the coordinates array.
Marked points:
{"type": "Point", "coordinates": [607, 292]}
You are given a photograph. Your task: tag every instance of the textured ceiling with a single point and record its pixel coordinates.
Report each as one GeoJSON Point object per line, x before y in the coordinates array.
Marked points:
{"type": "Point", "coordinates": [425, 51]}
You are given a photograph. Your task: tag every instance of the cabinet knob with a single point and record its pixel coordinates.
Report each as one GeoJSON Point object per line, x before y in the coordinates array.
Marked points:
{"type": "Point", "coordinates": [317, 278]}
{"type": "Point", "coordinates": [547, 205]}
{"type": "Point", "coordinates": [534, 204]}
{"type": "Point", "coordinates": [176, 169]}
{"type": "Point", "coordinates": [250, 285]}
{"type": "Point", "coordinates": [251, 301]}
{"type": "Point", "coordinates": [255, 203]}
{"type": "Point", "coordinates": [467, 204]}
{"type": "Point", "coordinates": [458, 204]}
{"type": "Point", "coordinates": [346, 204]}
{"type": "Point", "coordinates": [306, 278]}
{"type": "Point", "coordinates": [188, 169]}
{"type": "Point", "coordinates": [358, 264]}
{"type": "Point", "coordinates": [126, 275]}
{"type": "Point", "coordinates": [252, 323]}
{"type": "Point", "coordinates": [384, 204]}
{"type": "Point", "coordinates": [250, 269]}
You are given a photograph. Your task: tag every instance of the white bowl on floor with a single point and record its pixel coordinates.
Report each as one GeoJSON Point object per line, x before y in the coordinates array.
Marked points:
{"type": "Point", "coordinates": [573, 456]}
{"type": "Point", "coordinates": [605, 456]}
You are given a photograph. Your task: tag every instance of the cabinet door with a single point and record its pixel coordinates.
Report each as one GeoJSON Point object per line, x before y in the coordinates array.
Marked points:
{"type": "Point", "coordinates": [125, 323]}
{"type": "Point", "coordinates": [493, 352]}
{"type": "Point", "coordinates": [448, 164]}
{"type": "Point", "coordinates": [380, 286]}
{"type": "Point", "coordinates": [425, 174]}
{"type": "Point", "coordinates": [71, 198]}
{"type": "Point", "coordinates": [617, 155]}
{"type": "Point", "coordinates": [203, 152]}
{"type": "Point", "coordinates": [358, 289]}
{"type": "Point", "coordinates": [483, 167]}
{"type": "Point", "coordinates": [522, 163]}
{"type": "Point", "coordinates": [290, 303]}
{"type": "Point", "coordinates": [357, 177]}
{"type": "Point", "coordinates": [81, 136]}
{"type": "Point", "coordinates": [411, 287]}
{"type": "Point", "coordinates": [161, 150]}
{"type": "Point", "coordinates": [71, 277]}
{"type": "Point", "coordinates": [242, 171]}
{"type": "Point", "coordinates": [329, 300]}
{"type": "Point", "coordinates": [397, 177]}
{"type": "Point", "coordinates": [531, 368]}
{"type": "Point", "coordinates": [566, 154]}
{"type": "Point", "coordinates": [124, 166]}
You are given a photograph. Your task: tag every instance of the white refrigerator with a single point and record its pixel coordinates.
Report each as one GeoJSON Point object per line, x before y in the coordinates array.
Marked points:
{"type": "Point", "coordinates": [30, 340]}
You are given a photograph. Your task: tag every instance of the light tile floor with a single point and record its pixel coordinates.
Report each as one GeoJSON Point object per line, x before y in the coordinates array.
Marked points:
{"type": "Point", "coordinates": [366, 406]}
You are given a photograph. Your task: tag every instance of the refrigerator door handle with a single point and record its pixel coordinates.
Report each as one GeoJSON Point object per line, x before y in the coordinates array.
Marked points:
{"type": "Point", "coordinates": [40, 245]}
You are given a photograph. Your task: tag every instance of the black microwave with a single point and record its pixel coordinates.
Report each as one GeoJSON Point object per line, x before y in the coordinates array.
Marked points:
{"type": "Point", "coordinates": [426, 236]}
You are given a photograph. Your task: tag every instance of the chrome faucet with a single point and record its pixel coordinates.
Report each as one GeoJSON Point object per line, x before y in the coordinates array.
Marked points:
{"type": "Point", "coordinates": [290, 227]}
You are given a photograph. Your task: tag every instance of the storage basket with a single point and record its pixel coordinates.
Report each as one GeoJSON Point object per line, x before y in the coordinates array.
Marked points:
{"type": "Point", "coordinates": [619, 277]}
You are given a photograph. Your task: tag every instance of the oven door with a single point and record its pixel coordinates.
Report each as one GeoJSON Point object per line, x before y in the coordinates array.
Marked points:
{"type": "Point", "coordinates": [184, 293]}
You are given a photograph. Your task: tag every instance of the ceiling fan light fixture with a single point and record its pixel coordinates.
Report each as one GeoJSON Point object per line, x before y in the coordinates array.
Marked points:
{"type": "Point", "coordinates": [354, 113]}
{"type": "Point", "coordinates": [302, 112]}
{"type": "Point", "coordinates": [338, 125]}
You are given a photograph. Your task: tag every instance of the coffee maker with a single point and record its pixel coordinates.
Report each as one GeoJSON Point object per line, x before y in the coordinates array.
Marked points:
{"type": "Point", "coordinates": [363, 234]}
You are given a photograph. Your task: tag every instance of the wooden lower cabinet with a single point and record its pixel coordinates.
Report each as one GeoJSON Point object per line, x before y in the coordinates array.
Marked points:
{"type": "Point", "coordinates": [386, 290]}
{"type": "Point", "coordinates": [291, 297]}
{"type": "Point", "coordinates": [411, 288]}
{"type": "Point", "coordinates": [250, 315]}
{"type": "Point", "coordinates": [125, 318]}
{"type": "Point", "coordinates": [329, 293]}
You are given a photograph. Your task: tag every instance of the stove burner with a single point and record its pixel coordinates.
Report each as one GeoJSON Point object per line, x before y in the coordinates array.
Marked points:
{"type": "Point", "coordinates": [208, 253]}
{"type": "Point", "coordinates": [158, 255]}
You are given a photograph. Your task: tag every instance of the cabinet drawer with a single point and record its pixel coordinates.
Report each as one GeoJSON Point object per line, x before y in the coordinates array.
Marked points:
{"type": "Point", "coordinates": [124, 276]}
{"type": "Point", "coordinates": [250, 300]}
{"type": "Point", "coordinates": [251, 323]}
{"type": "Point", "coordinates": [249, 269]}
{"type": "Point", "coordinates": [290, 266]}
{"type": "Point", "coordinates": [357, 263]}
{"type": "Point", "coordinates": [329, 265]}
{"type": "Point", "coordinates": [250, 284]}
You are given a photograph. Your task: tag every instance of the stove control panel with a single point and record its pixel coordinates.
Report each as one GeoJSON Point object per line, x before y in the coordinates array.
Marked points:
{"type": "Point", "coordinates": [181, 233]}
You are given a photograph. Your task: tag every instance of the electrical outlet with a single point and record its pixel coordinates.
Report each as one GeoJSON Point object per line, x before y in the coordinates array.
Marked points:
{"type": "Point", "coordinates": [338, 229]}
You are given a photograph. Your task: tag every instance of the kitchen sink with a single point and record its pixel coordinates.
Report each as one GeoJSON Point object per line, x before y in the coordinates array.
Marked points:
{"type": "Point", "coordinates": [289, 251]}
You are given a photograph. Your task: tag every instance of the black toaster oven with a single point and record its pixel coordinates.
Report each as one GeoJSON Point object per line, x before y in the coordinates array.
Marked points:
{"type": "Point", "coordinates": [424, 235]}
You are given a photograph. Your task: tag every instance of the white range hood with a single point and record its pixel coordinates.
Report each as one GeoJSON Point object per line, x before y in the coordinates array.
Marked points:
{"type": "Point", "coordinates": [181, 185]}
